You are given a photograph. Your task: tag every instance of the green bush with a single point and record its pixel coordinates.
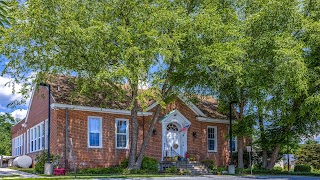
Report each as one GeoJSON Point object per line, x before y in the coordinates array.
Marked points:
{"type": "Point", "coordinates": [149, 165]}
{"type": "Point", "coordinates": [308, 154]}
{"type": "Point", "coordinates": [124, 163]}
{"type": "Point", "coordinates": [172, 169]}
{"type": "Point", "coordinates": [209, 163]}
{"type": "Point", "coordinates": [108, 170]}
{"type": "Point", "coordinates": [41, 159]}
{"type": "Point", "coordinates": [302, 168]}
{"type": "Point", "coordinates": [277, 168]}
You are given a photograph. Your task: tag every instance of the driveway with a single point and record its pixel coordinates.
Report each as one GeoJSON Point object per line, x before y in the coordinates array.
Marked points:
{"type": "Point", "coordinates": [9, 172]}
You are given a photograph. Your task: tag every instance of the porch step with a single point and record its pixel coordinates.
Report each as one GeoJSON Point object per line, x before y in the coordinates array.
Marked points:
{"type": "Point", "coordinates": [193, 167]}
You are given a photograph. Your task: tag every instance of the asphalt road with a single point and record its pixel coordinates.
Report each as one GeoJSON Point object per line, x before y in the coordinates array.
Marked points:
{"type": "Point", "coordinates": [227, 177]}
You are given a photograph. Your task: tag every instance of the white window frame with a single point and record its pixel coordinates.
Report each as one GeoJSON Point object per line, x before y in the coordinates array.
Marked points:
{"type": "Point", "coordinates": [35, 140]}
{"type": "Point", "coordinates": [215, 139]}
{"type": "Point", "coordinates": [46, 127]}
{"type": "Point", "coordinates": [100, 132]}
{"type": "Point", "coordinates": [17, 145]}
{"type": "Point", "coordinates": [127, 133]}
{"type": "Point", "coordinates": [28, 144]}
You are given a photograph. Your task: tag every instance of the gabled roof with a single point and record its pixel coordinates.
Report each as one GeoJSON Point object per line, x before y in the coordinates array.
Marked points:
{"type": "Point", "coordinates": [63, 90]}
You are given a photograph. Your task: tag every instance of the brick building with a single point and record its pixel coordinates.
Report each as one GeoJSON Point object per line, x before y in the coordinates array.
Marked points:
{"type": "Point", "coordinates": [100, 136]}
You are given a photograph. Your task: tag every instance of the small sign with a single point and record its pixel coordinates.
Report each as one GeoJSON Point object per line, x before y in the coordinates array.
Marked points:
{"type": "Point", "coordinates": [249, 149]}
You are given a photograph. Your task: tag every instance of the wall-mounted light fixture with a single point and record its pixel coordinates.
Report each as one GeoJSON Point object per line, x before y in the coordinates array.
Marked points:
{"type": "Point", "coordinates": [154, 132]}
{"type": "Point", "coordinates": [194, 134]}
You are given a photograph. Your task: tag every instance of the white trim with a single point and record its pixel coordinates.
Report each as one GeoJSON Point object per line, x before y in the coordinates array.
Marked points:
{"type": "Point", "coordinates": [215, 139]}
{"type": "Point", "coordinates": [152, 106]}
{"type": "Point", "coordinates": [95, 109]}
{"type": "Point", "coordinates": [100, 132]}
{"type": "Point", "coordinates": [46, 131]}
{"type": "Point", "coordinates": [36, 138]}
{"type": "Point", "coordinates": [127, 133]}
{"type": "Point", "coordinates": [175, 117]}
{"type": "Point", "coordinates": [184, 99]}
{"type": "Point", "coordinates": [220, 121]}
{"type": "Point", "coordinates": [193, 107]}
{"type": "Point", "coordinates": [30, 102]}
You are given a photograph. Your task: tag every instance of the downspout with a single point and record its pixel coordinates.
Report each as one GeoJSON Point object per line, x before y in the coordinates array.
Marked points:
{"type": "Point", "coordinates": [67, 134]}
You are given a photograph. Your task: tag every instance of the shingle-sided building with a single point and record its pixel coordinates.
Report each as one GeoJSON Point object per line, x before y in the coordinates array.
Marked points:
{"type": "Point", "coordinates": [100, 135]}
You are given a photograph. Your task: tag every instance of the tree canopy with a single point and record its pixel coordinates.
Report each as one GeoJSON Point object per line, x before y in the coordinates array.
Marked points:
{"type": "Point", "coordinates": [262, 54]}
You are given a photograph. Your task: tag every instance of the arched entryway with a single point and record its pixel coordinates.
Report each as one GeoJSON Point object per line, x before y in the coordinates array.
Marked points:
{"type": "Point", "coordinates": [174, 134]}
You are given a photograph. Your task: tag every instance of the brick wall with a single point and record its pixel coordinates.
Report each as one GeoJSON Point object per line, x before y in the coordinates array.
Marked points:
{"type": "Point", "coordinates": [108, 155]}
{"type": "Point", "coordinates": [38, 112]}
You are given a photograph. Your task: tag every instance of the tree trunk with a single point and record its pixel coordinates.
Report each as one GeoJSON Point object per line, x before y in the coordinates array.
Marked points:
{"type": "Point", "coordinates": [135, 129]}
{"type": "Point", "coordinates": [264, 159]}
{"type": "Point", "coordinates": [148, 136]}
{"type": "Point", "coordinates": [274, 156]}
{"type": "Point", "coordinates": [241, 137]}
{"type": "Point", "coordinates": [240, 152]}
{"type": "Point", "coordinates": [263, 140]}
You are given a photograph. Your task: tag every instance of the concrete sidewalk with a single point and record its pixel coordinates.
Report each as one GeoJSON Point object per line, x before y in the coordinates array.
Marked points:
{"type": "Point", "coordinates": [8, 172]}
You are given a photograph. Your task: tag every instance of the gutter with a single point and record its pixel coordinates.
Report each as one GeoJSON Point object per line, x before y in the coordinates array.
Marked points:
{"type": "Point", "coordinates": [95, 109]}
{"type": "Point", "coordinates": [220, 121]}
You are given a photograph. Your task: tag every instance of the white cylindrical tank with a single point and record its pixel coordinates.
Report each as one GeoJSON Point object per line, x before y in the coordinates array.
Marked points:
{"type": "Point", "coordinates": [22, 161]}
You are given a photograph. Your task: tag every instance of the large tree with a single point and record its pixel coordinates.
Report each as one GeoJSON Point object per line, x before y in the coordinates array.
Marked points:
{"type": "Point", "coordinates": [113, 45]}
{"type": "Point", "coordinates": [6, 121]}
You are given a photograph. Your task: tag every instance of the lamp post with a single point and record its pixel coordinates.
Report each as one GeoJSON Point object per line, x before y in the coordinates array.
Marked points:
{"type": "Point", "coordinates": [48, 166]}
{"type": "Point", "coordinates": [231, 167]}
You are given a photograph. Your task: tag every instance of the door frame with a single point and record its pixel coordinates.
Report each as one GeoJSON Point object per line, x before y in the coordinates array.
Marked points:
{"type": "Point", "coordinates": [175, 117]}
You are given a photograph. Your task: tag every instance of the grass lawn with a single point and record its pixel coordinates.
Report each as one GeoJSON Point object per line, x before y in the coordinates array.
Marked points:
{"type": "Point", "coordinates": [27, 170]}
{"type": "Point", "coordinates": [95, 176]}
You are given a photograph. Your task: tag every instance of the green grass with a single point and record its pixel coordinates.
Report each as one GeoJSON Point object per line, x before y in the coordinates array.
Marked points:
{"type": "Point", "coordinates": [27, 170]}
{"type": "Point", "coordinates": [87, 176]}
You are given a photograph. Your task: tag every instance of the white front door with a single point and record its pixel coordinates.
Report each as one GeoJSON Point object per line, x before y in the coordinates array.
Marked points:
{"type": "Point", "coordinates": [174, 141]}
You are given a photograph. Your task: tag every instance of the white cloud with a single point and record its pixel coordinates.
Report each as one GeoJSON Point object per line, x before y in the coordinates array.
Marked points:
{"type": "Point", "coordinates": [19, 113]}
{"type": "Point", "coordinates": [6, 93]}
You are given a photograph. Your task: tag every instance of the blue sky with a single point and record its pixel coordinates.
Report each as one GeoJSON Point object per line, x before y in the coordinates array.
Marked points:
{"type": "Point", "coordinates": [7, 97]}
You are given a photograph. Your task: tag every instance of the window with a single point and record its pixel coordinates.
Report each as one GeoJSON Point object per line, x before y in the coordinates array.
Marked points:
{"type": "Point", "coordinates": [17, 146]}
{"type": "Point", "coordinates": [122, 133]}
{"type": "Point", "coordinates": [212, 138]}
{"type": "Point", "coordinates": [94, 132]}
{"type": "Point", "coordinates": [234, 144]}
{"type": "Point", "coordinates": [28, 137]}
{"type": "Point", "coordinates": [36, 134]}
{"type": "Point", "coordinates": [46, 134]}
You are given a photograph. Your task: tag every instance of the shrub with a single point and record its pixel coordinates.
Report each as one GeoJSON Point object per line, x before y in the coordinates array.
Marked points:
{"type": "Point", "coordinates": [277, 168]}
{"type": "Point", "coordinates": [308, 154]}
{"type": "Point", "coordinates": [124, 163]}
{"type": "Point", "coordinates": [41, 159]}
{"type": "Point", "coordinates": [172, 170]}
{"type": "Point", "coordinates": [209, 163]}
{"type": "Point", "coordinates": [108, 170]}
{"type": "Point", "coordinates": [302, 168]}
{"type": "Point", "coordinates": [149, 165]}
